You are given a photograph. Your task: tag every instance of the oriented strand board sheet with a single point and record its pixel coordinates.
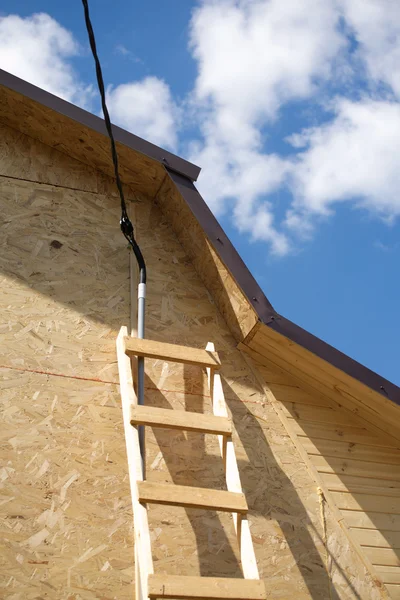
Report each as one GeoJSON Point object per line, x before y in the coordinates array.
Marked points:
{"type": "Point", "coordinates": [227, 295]}
{"type": "Point", "coordinates": [65, 505]}
{"type": "Point", "coordinates": [72, 138]}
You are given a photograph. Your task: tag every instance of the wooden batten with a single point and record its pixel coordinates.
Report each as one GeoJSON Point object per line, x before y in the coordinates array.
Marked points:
{"type": "Point", "coordinates": [172, 352]}
{"type": "Point", "coordinates": [205, 588]}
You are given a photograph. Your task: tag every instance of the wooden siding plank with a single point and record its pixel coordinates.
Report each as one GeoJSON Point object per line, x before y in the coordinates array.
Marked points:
{"type": "Point", "coordinates": [179, 419]}
{"type": "Point", "coordinates": [355, 467]}
{"type": "Point", "coordinates": [383, 556]}
{"type": "Point", "coordinates": [372, 520]}
{"type": "Point", "coordinates": [315, 414]}
{"type": "Point", "coordinates": [379, 539]}
{"type": "Point", "coordinates": [172, 352]}
{"type": "Point", "coordinates": [388, 574]}
{"type": "Point", "coordinates": [367, 503]}
{"type": "Point", "coordinates": [292, 393]}
{"type": "Point", "coordinates": [356, 397]}
{"type": "Point", "coordinates": [191, 497]}
{"type": "Point", "coordinates": [363, 485]}
{"type": "Point", "coordinates": [342, 433]}
{"type": "Point", "coordinates": [351, 450]}
{"type": "Point", "coordinates": [209, 588]}
{"type": "Point", "coordinates": [394, 591]}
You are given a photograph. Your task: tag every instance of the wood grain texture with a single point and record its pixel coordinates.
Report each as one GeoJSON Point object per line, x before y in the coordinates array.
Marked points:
{"type": "Point", "coordinates": [191, 497]}
{"type": "Point", "coordinates": [69, 137]}
{"type": "Point", "coordinates": [229, 298]}
{"type": "Point", "coordinates": [179, 419]}
{"type": "Point", "coordinates": [210, 588]}
{"type": "Point", "coordinates": [172, 352]}
{"type": "Point", "coordinates": [377, 410]}
{"type": "Point", "coordinates": [357, 469]}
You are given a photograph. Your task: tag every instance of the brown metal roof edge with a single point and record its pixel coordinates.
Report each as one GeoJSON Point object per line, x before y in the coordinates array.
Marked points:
{"type": "Point", "coordinates": [336, 358]}
{"type": "Point", "coordinates": [264, 308]}
{"type": "Point", "coordinates": [224, 247]}
{"type": "Point", "coordinates": [175, 163]}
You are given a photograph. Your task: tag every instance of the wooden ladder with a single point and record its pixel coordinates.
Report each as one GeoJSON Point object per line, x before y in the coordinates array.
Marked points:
{"type": "Point", "coordinates": [149, 585]}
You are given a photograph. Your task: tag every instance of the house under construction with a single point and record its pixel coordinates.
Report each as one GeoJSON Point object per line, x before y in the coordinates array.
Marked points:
{"type": "Point", "coordinates": [246, 414]}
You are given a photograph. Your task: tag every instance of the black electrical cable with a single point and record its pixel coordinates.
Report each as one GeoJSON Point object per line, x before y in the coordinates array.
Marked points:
{"type": "Point", "coordinates": [125, 223]}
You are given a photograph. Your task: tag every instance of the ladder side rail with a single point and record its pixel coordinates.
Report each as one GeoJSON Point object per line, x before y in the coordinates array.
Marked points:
{"type": "Point", "coordinates": [143, 556]}
{"type": "Point", "coordinates": [233, 483]}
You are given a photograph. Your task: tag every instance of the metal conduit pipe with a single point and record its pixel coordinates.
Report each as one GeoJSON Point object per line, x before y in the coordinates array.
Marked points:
{"type": "Point", "coordinates": [127, 230]}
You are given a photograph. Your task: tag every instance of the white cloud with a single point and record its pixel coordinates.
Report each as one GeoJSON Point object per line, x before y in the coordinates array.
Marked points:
{"type": "Point", "coordinates": [376, 27]}
{"type": "Point", "coordinates": [232, 182]}
{"type": "Point", "coordinates": [37, 49]}
{"type": "Point", "coordinates": [146, 109]}
{"type": "Point", "coordinates": [253, 57]}
{"type": "Point", "coordinates": [354, 158]}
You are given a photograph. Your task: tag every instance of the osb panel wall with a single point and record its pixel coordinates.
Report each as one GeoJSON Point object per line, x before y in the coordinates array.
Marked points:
{"type": "Point", "coordinates": [36, 162]}
{"type": "Point", "coordinates": [66, 528]}
{"type": "Point", "coordinates": [229, 298]}
{"type": "Point", "coordinates": [74, 139]}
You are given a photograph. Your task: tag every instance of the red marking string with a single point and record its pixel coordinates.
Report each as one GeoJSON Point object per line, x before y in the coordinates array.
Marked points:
{"type": "Point", "coordinates": [97, 380]}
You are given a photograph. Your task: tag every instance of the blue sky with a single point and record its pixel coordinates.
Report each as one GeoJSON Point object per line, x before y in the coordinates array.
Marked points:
{"type": "Point", "coordinates": [292, 109]}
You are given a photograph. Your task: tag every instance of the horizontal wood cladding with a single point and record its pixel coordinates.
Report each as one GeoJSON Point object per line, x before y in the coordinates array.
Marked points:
{"type": "Point", "coordinates": [357, 466]}
{"type": "Point", "coordinates": [377, 520]}
{"type": "Point", "coordinates": [389, 574]}
{"type": "Point", "coordinates": [342, 433]}
{"type": "Point", "coordinates": [316, 375]}
{"type": "Point", "coordinates": [372, 537]}
{"type": "Point", "coordinates": [352, 450]}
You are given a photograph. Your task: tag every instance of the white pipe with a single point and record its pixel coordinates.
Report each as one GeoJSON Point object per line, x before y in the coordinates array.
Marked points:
{"type": "Point", "coordinates": [140, 388]}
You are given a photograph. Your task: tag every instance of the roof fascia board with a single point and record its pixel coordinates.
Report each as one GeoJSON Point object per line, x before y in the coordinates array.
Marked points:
{"type": "Point", "coordinates": [224, 247]}
{"type": "Point", "coordinates": [263, 308]}
{"type": "Point", "coordinates": [175, 163]}
{"type": "Point", "coordinates": [335, 357]}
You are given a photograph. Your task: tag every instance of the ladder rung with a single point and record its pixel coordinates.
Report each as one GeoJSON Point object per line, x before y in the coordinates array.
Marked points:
{"type": "Point", "coordinates": [191, 497]}
{"type": "Point", "coordinates": [210, 588]}
{"type": "Point", "coordinates": [179, 419]}
{"type": "Point", "coordinates": [172, 352]}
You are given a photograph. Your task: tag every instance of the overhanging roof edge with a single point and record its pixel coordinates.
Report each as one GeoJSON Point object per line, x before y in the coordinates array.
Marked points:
{"type": "Point", "coordinates": [263, 308]}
